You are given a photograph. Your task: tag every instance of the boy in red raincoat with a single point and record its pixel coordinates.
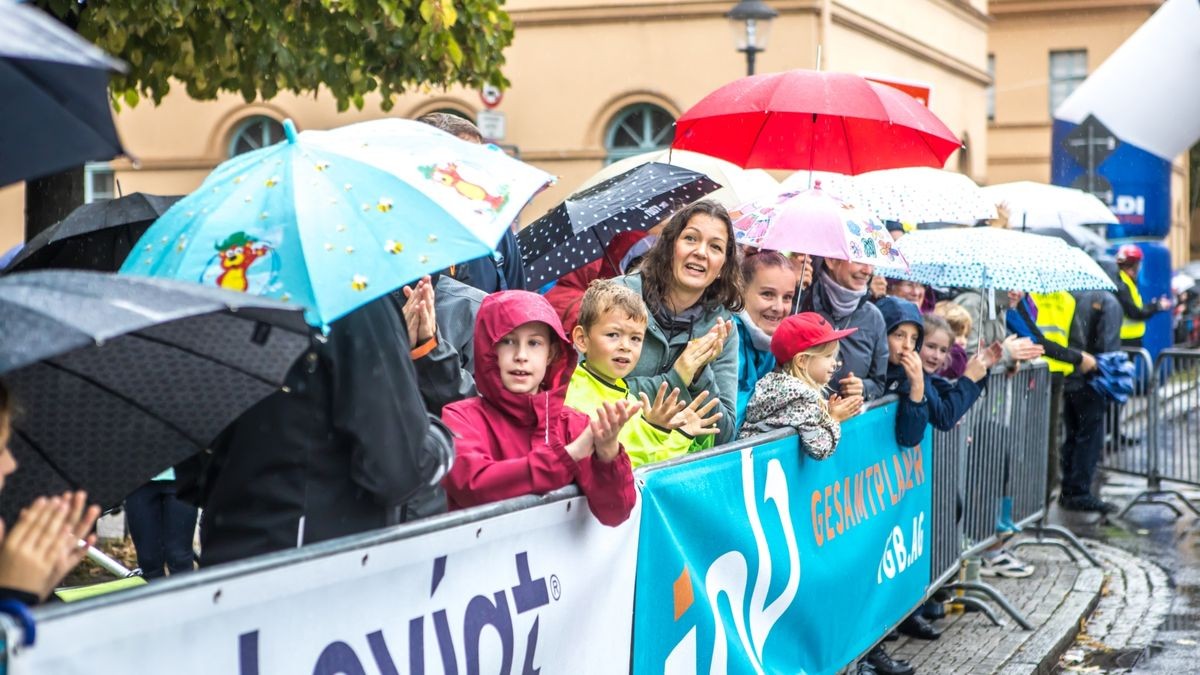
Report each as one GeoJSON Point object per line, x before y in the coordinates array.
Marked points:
{"type": "Point", "coordinates": [518, 437]}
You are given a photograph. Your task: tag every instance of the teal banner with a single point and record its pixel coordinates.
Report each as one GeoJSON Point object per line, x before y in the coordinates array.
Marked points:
{"type": "Point", "coordinates": [764, 560]}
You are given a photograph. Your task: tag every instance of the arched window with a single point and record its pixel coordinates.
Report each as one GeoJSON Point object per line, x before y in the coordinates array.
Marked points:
{"type": "Point", "coordinates": [638, 128]}
{"type": "Point", "coordinates": [253, 133]}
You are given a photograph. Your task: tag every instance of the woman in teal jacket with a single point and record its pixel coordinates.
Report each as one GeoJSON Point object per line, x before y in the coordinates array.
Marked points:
{"type": "Point", "coordinates": [769, 287]}
{"type": "Point", "coordinates": [692, 285]}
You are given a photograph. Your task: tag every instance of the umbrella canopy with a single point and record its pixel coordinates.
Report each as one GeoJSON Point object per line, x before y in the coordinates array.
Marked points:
{"type": "Point", "coordinates": [331, 220]}
{"type": "Point", "coordinates": [994, 258]}
{"type": "Point", "coordinates": [817, 223]}
{"type": "Point", "coordinates": [1075, 235]}
{"type": "Point", "coordinates": [117, 378]}
{"type": "Point", "coordinates": [807, 119]}
{"type": "Point", "coordinates": [909, 195]}
{"type": "Point", "coordinates": [575, 232]}
{"type": "Point", "coordinates": [739, 185]}
{"type": "Point", "coordinates": [54, 106]}
{"type": "Point", "coordinates": [96, 236]}
{"type": "Point", "coordinates": [1031, 204]}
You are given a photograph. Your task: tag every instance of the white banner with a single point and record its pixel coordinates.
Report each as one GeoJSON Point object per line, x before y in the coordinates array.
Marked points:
{"type": "Point", "coordinates": [545, 588]}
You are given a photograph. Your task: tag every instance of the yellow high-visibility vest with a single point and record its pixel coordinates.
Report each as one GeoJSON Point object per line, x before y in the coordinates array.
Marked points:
{"type": "Point", "coordinates": [1130, 329]}
{"type": "Point", "coordinates": [1055, 312]}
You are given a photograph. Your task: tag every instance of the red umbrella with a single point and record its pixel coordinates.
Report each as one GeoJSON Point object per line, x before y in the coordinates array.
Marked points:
{"type": "Point", "coordinates": [806, 119]}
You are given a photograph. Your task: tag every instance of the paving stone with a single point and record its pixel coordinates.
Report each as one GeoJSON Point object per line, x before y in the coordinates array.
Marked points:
{"type": "Point", "coordinates": [1122, 602]}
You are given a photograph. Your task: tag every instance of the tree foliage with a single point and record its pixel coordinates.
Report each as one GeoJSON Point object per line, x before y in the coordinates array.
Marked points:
{"type": "Point", "coordinates": [261, 47]}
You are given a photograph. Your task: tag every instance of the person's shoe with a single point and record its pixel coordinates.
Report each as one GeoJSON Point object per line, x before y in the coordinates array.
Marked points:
{"type": "Point", "coordinates": [1086, 503]}
{"type": "Point", "coordinates": [933, 609]}
{"type": "Point", "coordinates": [886, 665]}
{"type": "Point", "coordinates": [1004, 522]}
{"type": "Point", "coordinates": [892, 636]}
{"type": "Point", "coordinates": [1004, 564]}
{"type": "Point", "coordinates": [916, 626]}
{"type": "Point", "coordinates": [865, 668]}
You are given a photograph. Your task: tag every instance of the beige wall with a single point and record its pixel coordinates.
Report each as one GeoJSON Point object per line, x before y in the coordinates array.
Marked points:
{"type": "Point", "coordinates": [576, 63]}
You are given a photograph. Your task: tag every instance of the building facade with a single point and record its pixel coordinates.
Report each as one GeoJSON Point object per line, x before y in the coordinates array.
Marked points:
{"type": "Point", "coordinates": [595, 80]}
{"type": "Point", "coordinates": [591, 80]}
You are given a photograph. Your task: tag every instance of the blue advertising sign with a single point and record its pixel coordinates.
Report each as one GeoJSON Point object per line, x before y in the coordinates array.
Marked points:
{"type": "Point", "coordinates": [766, 560]}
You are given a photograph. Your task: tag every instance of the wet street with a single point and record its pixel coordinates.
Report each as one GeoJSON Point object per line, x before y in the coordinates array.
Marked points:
{"type": "Point", "coordinates": [1157, 535]}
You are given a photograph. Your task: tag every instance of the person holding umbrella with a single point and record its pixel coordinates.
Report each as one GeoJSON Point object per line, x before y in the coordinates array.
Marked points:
{"type": "Point", "coordinates": [692, 284]}
{"type": "Point", "coordinates": [839, 294]}
{"type": "Point", "coordinates": [1133, 326]}
{"type": "Point", "coordinates": [44, 544]}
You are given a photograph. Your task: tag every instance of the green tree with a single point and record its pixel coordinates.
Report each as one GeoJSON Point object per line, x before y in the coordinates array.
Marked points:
{"type": "Point", "coordinates": [258, 48]}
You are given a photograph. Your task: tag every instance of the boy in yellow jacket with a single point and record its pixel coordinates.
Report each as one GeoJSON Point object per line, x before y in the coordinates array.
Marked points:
{"type": "Point", "coordinates": [609, 335]}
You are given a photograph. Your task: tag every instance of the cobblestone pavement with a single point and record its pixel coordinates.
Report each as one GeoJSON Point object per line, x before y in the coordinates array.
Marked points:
{"type": "Point", "coordinates": [1126, 599]}
{"type": "Point", "coordinates": [1150, 533]}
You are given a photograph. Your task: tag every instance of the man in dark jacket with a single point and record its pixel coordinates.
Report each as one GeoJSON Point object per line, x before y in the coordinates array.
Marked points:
{"type": "Point", "coordinates": [839, 293]}
{"type": "Point", "coordinates": [1133, 328]}
{"type": "Point", "coordinates": [345, 441]}
{"type": "Point", "coordinates": [1095, 329]}
{"type": "Point", "coordinates": [443, 353]}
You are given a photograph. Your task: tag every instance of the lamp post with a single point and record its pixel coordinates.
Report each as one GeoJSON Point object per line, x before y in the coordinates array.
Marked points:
{"type": "Point", "coordinates": [751, 24]}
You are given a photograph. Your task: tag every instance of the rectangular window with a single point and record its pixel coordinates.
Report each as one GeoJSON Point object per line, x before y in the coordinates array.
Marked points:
{"type": "Point", "coordinates": [991, 88]}
{"type": "Point", "coordinates": [98, 182]}
{"type": "Point", "coordinates": [1067, 70]}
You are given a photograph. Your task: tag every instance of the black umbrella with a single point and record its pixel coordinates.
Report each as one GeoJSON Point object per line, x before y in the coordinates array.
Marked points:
{"type": "Point", "coordinates": [54, 105]}
{"type": "Point", "coordinates": [575, 232]}
{"type": "Point", "coordinates": [117, 378]}
{"type": "Point", "coordinates": [96, 236]}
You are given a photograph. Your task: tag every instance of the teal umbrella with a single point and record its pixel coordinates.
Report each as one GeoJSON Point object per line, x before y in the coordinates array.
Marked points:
{"type": "Point", "coordinates": [331, 220]}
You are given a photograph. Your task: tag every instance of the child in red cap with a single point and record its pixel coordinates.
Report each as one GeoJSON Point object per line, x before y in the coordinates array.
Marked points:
{"type": "Point", "coordinates": [805, 346]}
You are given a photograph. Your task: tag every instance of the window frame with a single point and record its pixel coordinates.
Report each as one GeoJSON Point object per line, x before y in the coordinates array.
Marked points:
{"type": "Point", "coordinates": [245, 125]}
{"type": "Point", "coordinates": [1065, 76]}
{"type": "Point", "coordinates": [648, 138]}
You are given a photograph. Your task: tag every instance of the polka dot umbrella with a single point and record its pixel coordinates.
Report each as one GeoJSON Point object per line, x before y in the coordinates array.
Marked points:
{"type": "Point", "coordinates": [575, 232]}
{"type": "Point", "coordinates": [998, 259]}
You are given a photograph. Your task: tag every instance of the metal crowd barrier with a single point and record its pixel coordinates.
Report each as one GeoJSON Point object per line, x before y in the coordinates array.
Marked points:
{"type": "Point", "coordinates": [998, 449]}
{"type": "Point", "coordinates": [1155, 434]}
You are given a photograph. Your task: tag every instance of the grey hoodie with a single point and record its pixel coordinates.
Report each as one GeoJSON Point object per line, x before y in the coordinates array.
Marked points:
{"type": "Point", "coordinates": [865, 352]}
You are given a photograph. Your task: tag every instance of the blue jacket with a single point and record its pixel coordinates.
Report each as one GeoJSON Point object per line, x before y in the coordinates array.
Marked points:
{"type": "Point", "coordinates": [865, 353]}
{"type": "Point", "coordinates": [911, 417]}
{"type": "Point", "coordinates": [753, 365]}
{"type": "Point", "coordinates": [503, 271]}
{"type": "Point", "coordinates": [949, 401]}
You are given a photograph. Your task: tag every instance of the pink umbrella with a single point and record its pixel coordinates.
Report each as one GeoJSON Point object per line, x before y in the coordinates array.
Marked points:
{"type": "Point", "coordinates": [816, 223]}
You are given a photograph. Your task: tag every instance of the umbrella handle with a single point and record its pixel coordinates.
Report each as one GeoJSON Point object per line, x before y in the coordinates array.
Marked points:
{"type": "Point", "coordinates": [112, 566]}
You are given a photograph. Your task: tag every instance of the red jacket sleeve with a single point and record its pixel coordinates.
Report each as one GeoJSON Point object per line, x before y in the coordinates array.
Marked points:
{"type": "Point", "coordinates": [480, 477]}
{"type": "Point", "coordinates": [608, 486]}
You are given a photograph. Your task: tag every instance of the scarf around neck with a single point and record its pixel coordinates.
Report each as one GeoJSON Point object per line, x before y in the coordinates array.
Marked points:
{"type": "Point", "coordinates": [842, 301]}
{"type": "Point", "coordinates": [758, 338]}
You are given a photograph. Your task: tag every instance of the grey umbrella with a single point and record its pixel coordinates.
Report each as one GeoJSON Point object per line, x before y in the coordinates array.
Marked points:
{"type": "Point", "coordinates": [117, 378]}
{"type": "Point", "coordinates": [97, 236]}
{"type": "Point", "coordinates": [54, 106]}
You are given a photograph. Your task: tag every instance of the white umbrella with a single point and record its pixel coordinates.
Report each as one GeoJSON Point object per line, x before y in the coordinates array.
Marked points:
{"type": "Point", "coordinates": [910, 195]}
{"type": "Point", "coordinates": [999, 259]}
{"type": "Point", "coordinates": [738, 185]}
{"type": "Point", "coordinates": [1032, 204]}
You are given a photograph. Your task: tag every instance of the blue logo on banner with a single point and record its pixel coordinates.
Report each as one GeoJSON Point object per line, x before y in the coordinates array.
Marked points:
{"type": "Point", "coordinates": [765, 560]}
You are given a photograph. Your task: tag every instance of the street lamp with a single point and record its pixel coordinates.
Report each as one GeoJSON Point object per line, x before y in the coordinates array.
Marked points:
{"type": "Point", "coordinates": [751, 23]}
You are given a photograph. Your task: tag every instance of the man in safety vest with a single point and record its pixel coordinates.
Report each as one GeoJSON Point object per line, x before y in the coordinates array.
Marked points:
{"type": "Point", "coordinates": [1085, 323]}
{"type": "Point", "coordinates": [1133, 327]}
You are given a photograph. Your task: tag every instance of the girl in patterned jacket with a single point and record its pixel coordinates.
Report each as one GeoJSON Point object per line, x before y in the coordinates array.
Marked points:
{"type": "Point", "coordinates": [806, 347]}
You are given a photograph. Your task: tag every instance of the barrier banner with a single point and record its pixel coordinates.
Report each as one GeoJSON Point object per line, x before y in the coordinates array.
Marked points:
{"type": "Point", "coordinates": [766, 560]}
{"type": "Point", "coordinates": [546, 587]}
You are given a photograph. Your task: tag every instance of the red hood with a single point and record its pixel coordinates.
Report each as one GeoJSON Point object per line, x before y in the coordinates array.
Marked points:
{"type": "Point", "coordinates": [498, 315]}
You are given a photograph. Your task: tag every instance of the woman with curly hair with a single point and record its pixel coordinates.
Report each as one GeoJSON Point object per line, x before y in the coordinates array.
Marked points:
{"type": "Point", "coordinates": [692, 286]}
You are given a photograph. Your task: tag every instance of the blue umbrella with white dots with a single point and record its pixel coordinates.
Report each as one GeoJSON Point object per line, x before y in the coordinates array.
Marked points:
{"type": "Point", "coordinates": [575, 232]}
{"type": "Point", "coordinates": [330, 220]}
